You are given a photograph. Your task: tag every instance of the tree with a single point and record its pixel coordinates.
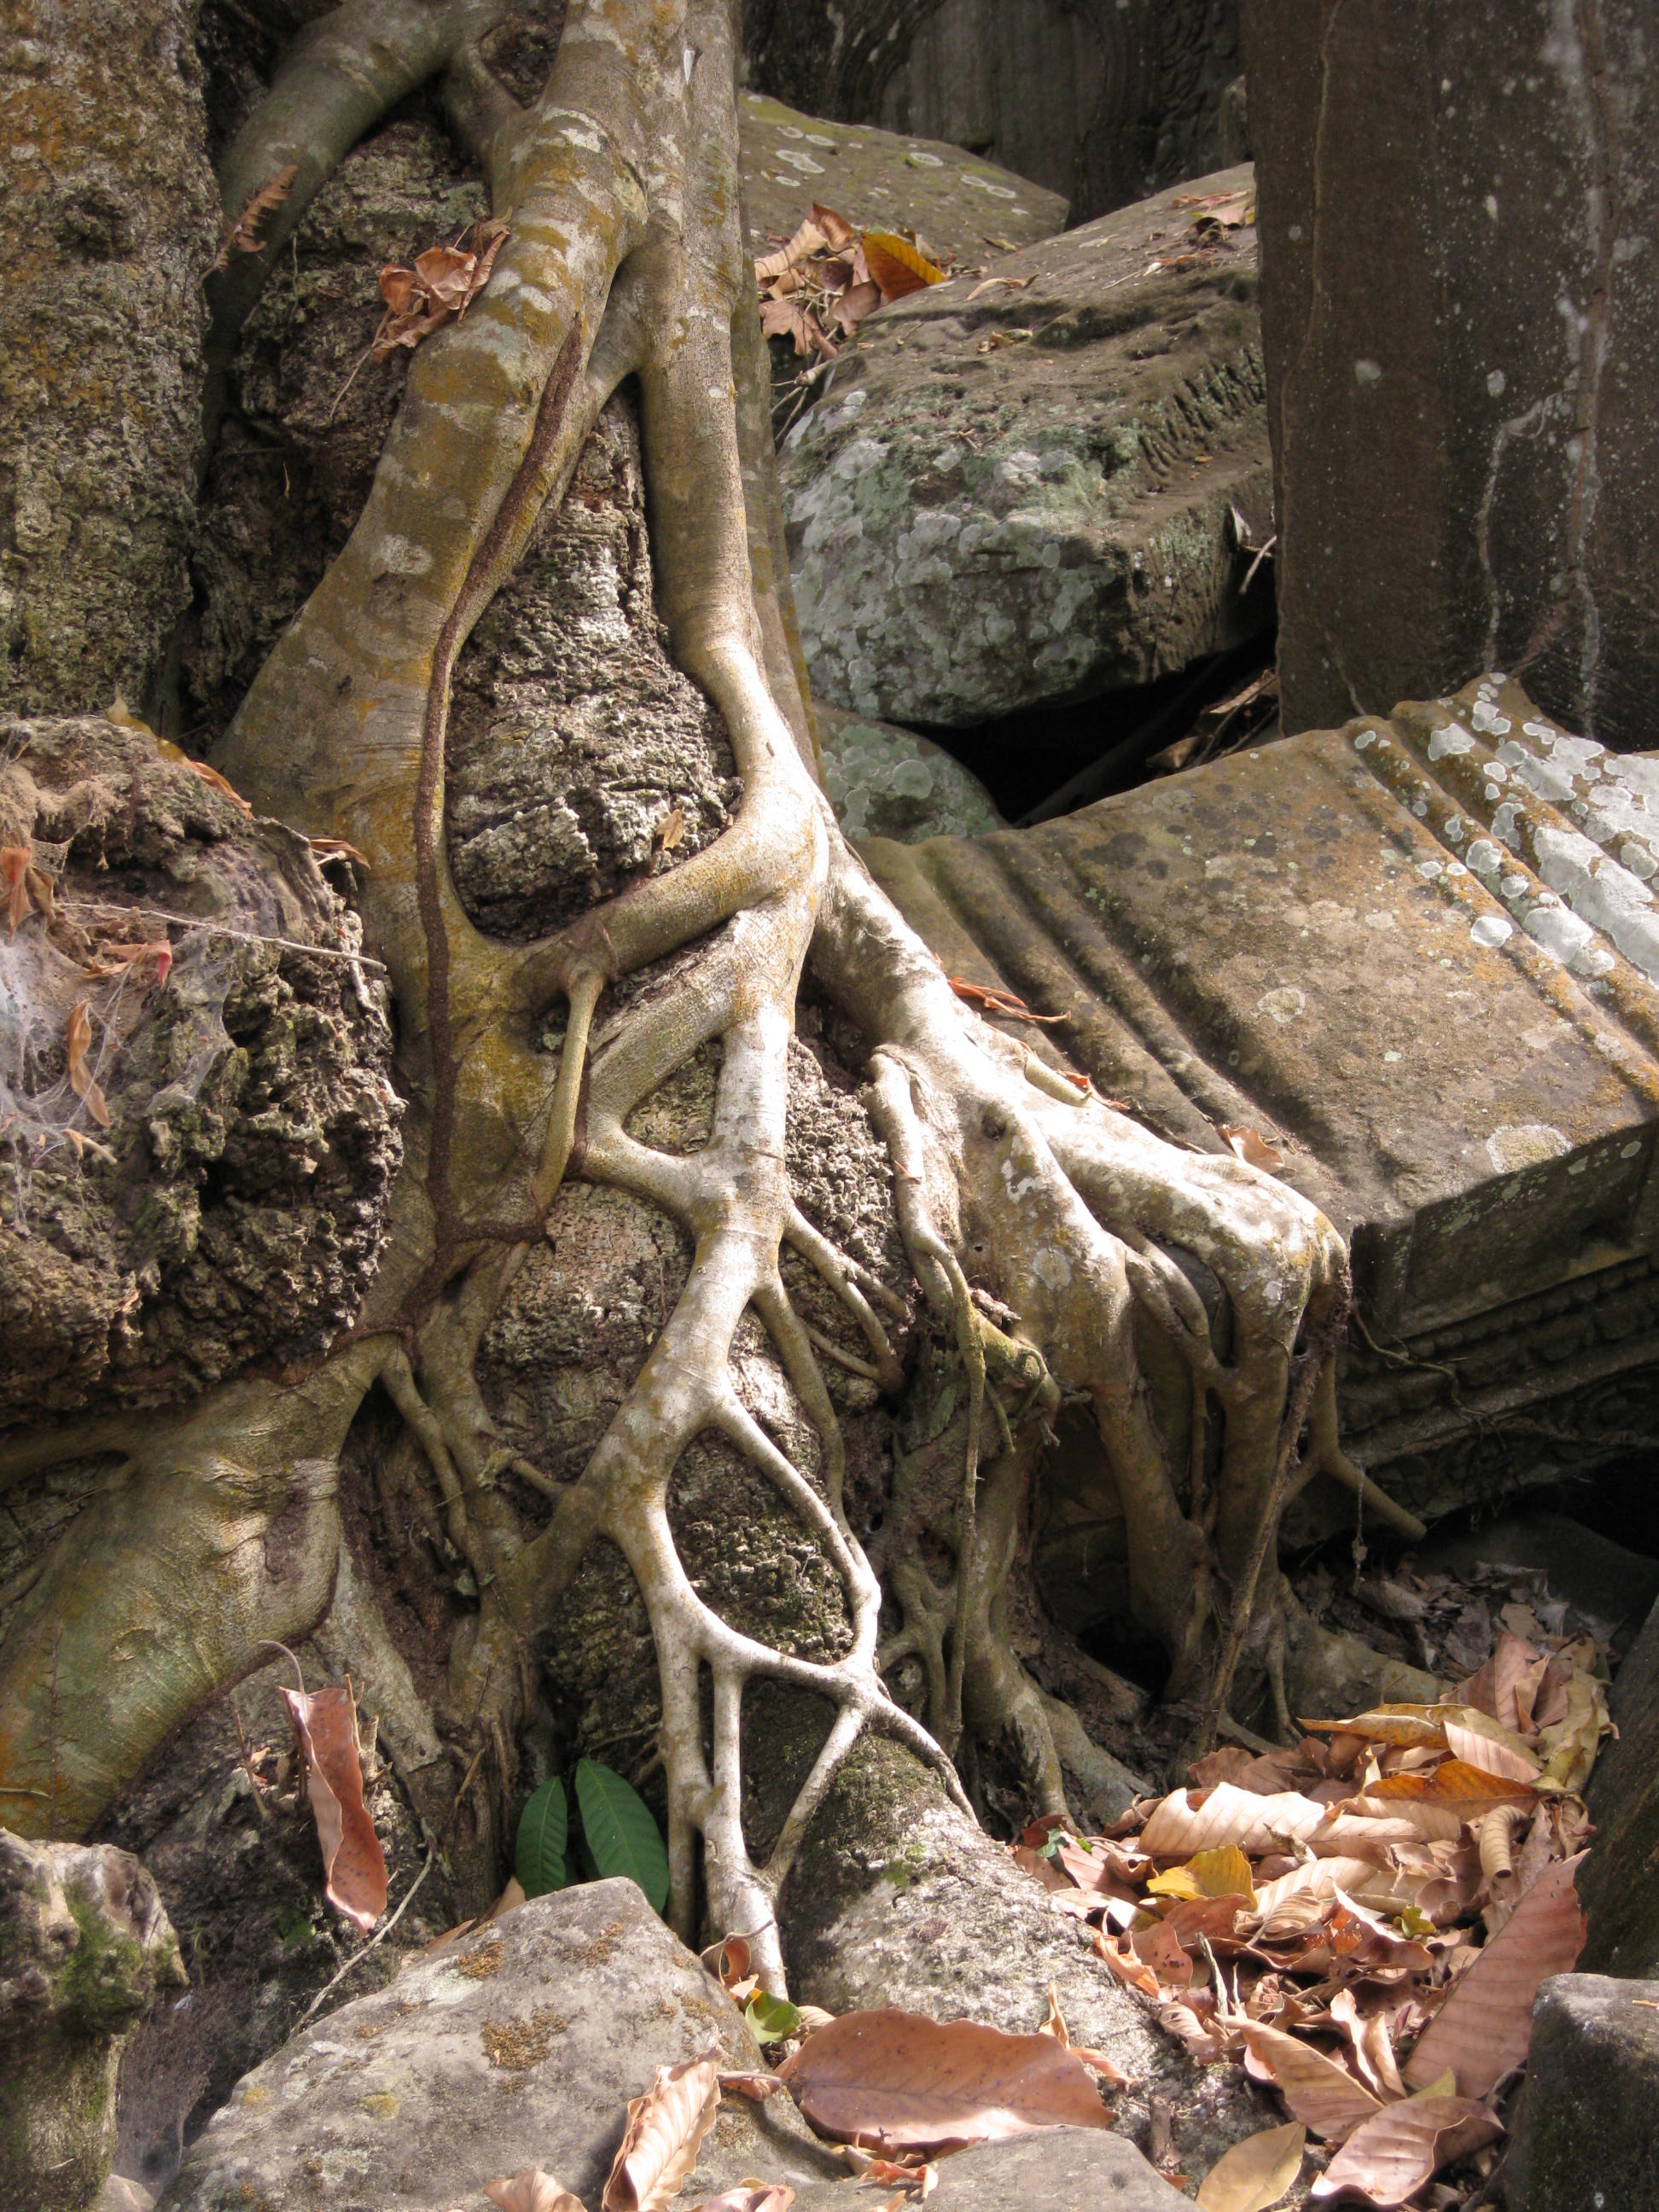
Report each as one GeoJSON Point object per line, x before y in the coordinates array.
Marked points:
{"type": "Point", "coordinates": [1040, 1224]}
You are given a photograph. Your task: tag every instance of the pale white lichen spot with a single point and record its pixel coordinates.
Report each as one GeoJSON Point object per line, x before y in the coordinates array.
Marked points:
{"type": "Point", "coordinates": [1492, 930]}
{"type": "Point", "coordinates": [1455, 829]}
{"type": "Point", "coordinates": [1629, 1151]}
{"type": "Point", "coordinates": [401, 557]}
{"type": "Point", "coordinates": [1282, 1005]}
{"type": "Point", "coordinates": [1449, 737]}
{"type": "Point", "coordinates": [1496, 381]}
{"type": "Point", "coordinates": [1518, 1145]}
{"type": "Point", "coordinates": [1368, 372]}
{"type": "Point", "coordinates": [1513, 885]}
{"type": "Point", "coordinates": [1052, 1266]}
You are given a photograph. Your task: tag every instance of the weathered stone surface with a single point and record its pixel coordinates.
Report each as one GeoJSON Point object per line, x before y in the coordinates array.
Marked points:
{"type": "Point", "coordinates": [517, 2046]}
{"type": "Point", "coordinates": [1422, 952]}
{"type": "Point", "coordinates": [1061, 2170]}
{"type": "Point", "coordinates": [1584, 2140]}
{"type": "Point", "coordinates": [1102, 103]}
{"type": "Point", "coordinates": [230, 1205]}
{"type": "Point", "coordinates": [1619, 1883]}
{"type": "Point", "coordinates": [1026, 495]}
{"type": "Point", "coordinates": [888, 782]}
{"type": "Point", "coordinates": [881, 180]}
{"type": "Point", "coordinates": [1460, 310]}
{"type": "Point", "coordinates": [84, 1947]}
{"type": "Point", "coordinates": [110, 219]}
{"type": "Point", "coordinates": [899, 1900]}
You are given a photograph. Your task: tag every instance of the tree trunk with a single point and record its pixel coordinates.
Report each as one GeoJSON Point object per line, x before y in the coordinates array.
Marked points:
{"type": "Point", "coordinates": [674, 1397]}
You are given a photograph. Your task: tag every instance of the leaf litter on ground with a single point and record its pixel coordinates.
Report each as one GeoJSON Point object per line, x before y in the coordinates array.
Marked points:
{"type": "Point", "coordinates": [1362, 1919]}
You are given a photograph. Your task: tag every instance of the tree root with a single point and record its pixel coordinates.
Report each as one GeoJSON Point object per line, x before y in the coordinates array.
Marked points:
{"type": "Point", "coordinates": [1007, 1182]}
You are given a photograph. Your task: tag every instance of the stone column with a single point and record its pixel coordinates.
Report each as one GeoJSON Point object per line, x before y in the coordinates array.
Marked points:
{"type": "Point", "coordinates": [1459, 211]}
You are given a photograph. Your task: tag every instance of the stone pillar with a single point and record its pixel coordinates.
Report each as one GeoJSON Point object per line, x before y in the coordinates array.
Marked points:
{"type": "Point", "coordinates": [1459, 212]}
{"type": "Point", "coordinates": [84, 1947]}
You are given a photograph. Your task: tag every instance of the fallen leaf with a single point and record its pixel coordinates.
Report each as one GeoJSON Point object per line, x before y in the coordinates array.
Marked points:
{"type": "Point", "coordinates": [114, 959]}
{"type": "Point", "coordinates": [896, 265]}
{"type": "Point", "coordinates": [769, 2019]}
{"type": "Point", "coordinates": [728, 1959]}
{"type": "Point", "coordinates": [1571, 1744]}
{"type": "Point", "coordinates": [215, 781]}
{"type": "Point", "coordinates": [241, 233]}
{"type": "Point", "coordinates": [758, 2088]}
{"type": "Point", "coordinates": [1323, 2095]}
{"type": "Point", "coordinates": [672, 829]}
{"type": "Point", "coordinates": [1371, 2044]}
{"type": "Point", "coordinates": [665, 2127]}
{"type": "Point", "coordinates": [1513, 1665]}
{"type": "Point", "coordinates": [336, 848]}
{"type": "Point", "coordinates": [1490, 1754]}
{"type": "Point", "coordinates": [14, 864]}
{"type": "Point", "coordinates": [1008, 1003]}
{"type": "Point", "coordinates": [1388, 2159]}
{"type": "Point", "coordinates": [1484, 2027]}
{"type": "Point", "coordinates": [1095, 2061]}
{"type": "Point", "coordinates": [837, 231]}
{"type": "Point", "coordinates": [1222, 1873]}
{"type": "Point", "coordinates": [1252, 1147]}
{"type": "Point", "coordinates": [895, 2080]}
{"type": "Point", "coordinates": [354, 1865]}
{"type": "Point", "coordinates": [1126, 1966]}
{"type": "Point", "coordinates": [531, 2191]}
{"type": "Point", "coordinates": [78, 1037]}
{"type": "Point", "coordinates": [748, 2197]}
{"type": "Point", "coordinates": [1255, 2174]}
{"type": "Point", "coordinates": [857, 304]}
{"type": "Point", "coordinates": [1014, 284]}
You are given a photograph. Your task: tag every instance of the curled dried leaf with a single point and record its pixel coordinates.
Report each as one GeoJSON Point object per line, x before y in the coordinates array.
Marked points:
{"type": "Point", "coordinates": [1252, 1147]}
{"type": "Point", "coordinates": [1254, 2174]}
{"type": "Point", "coordinates": [76, 1040]}
{"type": "Point", "coordinates": [665, 2127]}
{"type": "Point", "coordinates": [241, 234]}
{"type": "Point", "coordinates": [14, 865]}
{"type": "Point", "coordinates": [354, 1865]}
{"type": "Point", "coordinates": [115, 959]}
{"type": "Point", "coordinates": [529, 2190]}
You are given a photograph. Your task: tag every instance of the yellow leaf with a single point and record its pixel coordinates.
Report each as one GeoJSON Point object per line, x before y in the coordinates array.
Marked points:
{"type": "Point", "coordinates": [1222, 1873]}
{"type": "Point", "coordinates": [896, 265]}
{"type": "Point", "coordinates": [1255, 2174]}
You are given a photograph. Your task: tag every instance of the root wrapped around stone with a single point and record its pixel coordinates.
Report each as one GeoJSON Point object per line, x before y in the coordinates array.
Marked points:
{"type": "Point", "coordinates": [1038, 1222]}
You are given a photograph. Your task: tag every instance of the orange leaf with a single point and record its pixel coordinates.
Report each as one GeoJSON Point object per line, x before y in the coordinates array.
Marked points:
{"type": "Point", "coordinates": [893, 2080]}
{"type": "Point", "coordinates": [14, 862]}
{"type": "Point", "coordinates": [1484, 2027]}
{"type": "Point", "coordinates": [241, 234]}
{"type": "Point", "coordinates": [895, 264]}
{"type": "Point", "coordinates": [354, 1865]}
{"type": "Point", "coordinates": [211, 777]}
{"type": "Point", "coordinates": [118, 959]}
{"type": "Point", "coordinates": [1252, 1147]}
{"type": "Point", "coordinates": [445, 275]}
{"type": "Point", "coordinates": [79, 1075]}
{"type": "Point", "coordinates": [1389, 2158]}
{"type": "Point", "coordinates": [665, 2128]}
{"type": "Point", "coordinates": [399, 288]}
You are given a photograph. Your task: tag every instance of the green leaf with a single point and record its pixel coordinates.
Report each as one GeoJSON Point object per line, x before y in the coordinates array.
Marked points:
{"type": "Point", "coordinates": [770, 2019]}
{"type": "Point", "coordinates": [538, 1856]}
{"type": "Point", "coordinates": [621, 1833]}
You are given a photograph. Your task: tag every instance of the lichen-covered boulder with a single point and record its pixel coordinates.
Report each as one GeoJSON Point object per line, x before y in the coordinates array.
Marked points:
{"type": "Point", "coordinates": [888, 782]}
{"type": "Point", "coordinates": [1041, 485]}
{"type": "Point", "coordinates": [518, 2045]}
{"type": "Point", "coordinates": [84, 1947]}
{"type": "Point", "coordinates": [197, 1127]}
{"type": "Point", "coordinates": [881, 180]}
{"type": "Point", "coordinates": [112, 219]}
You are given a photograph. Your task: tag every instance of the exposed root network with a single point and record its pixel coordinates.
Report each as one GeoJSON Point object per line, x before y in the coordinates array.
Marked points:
{"type": "Point", "coordinates": [1038, 1223]}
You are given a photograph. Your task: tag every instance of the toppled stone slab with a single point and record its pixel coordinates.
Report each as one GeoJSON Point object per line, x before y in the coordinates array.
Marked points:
{"type": "Point", "coordinates": [1617, 1887]}
{"type": "Point", "coordinates": [1061, 2170]}
{"type": "Point", "coordinates": [84, 1945]}
{"type": "Point", "coordinates": [1584, 2137]}
{"type": "Point", "coordinates": [518, 2046]}
{"type": "Point", "coordinates": [883, 180]}
{"type": "Point", "coordinates": [1421, 953]}
{"type": "Point", "coordinates": [1020, 488]}
{"type": "Point", "coordinates": [888, 782]}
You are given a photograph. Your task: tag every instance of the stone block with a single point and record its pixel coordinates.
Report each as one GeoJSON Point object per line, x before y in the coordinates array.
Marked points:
{"type": "Point", "coordinates": [1061, 2170]}
{"type": "Point", "coordinates": [889, 783]}
{"type": "Point", "coordinates": [1421, 953]}
{"type": "Point", "coordinates": [1022, 489]}
{"type": "Point", "coordinates": [1461, 313]}
{"type": "Point", "coordinates": [1584, 2138]}
{"type": "Point", "coordinates": [1619, 1885]}
{"type": "Point", "coordinates": [518, 2045]}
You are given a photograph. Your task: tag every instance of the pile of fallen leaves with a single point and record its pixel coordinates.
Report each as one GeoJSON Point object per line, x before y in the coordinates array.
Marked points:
{"type": "Point", "coordinates": [830, 277]}
{"type": "Point", "coordinates": [1361, 1920]}
{"type": "Point", "coordinates": [1213, 215]}
{"type": "Point", "coordinates": [443, 282]}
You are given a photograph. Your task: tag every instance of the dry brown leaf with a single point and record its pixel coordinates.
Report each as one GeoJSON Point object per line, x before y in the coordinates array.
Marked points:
{"type": "Point", "coordinates": [336, 848]}
{"type": "Point", "coordinates": [748, 2197]}
{"type": "Point", "coordinates": [1186, 1822]}
{"type": "Point", "coordinates": [673, 830]}
{"type": "Point", "coordinates": [1483, 2028]}
{"type": "Point", "coordinates": [809, 239]}
{"type": "Point", "coordinates": [241, 233]}
{"type": "Point", "coordinates": [665, 2127]}
{"type": "Point", "coordinates": [354, 1865]}
{"type": "Point", "coordinates": [1254, 2174]}
{"type": "Point", "coordinates": [895, 264]}
{"type": "Point", "coordinates": [837, 231]}
{"type": "Point", "coordinates": [1371, 2043]}
{"type": "Point", "coordinates": [1477, 1747]}
{"type": "Point", "coordinates": [893, 2080]}
{"type": "Point", "coordinates": [728, 1959]}
{"type": "Point", "coordinates": [116, 959]}
{"type": "Point", "coordinates": [1126, 1966]}
{"type": "Point", "coordinates": [529, 2190]}
{"type": "Point", "coordinates": [1389, 2158]}
{"type": "Point", "coordinates": [857, 304]}
{"type": "Point", "coordinates": [1455, 1787]}
{"type": "Point", "coordinates": [1252, 1147]}
{"type": "Point", "coordinates": [1570, 1745]}
{"type": "Point", "coordinates": [1095, 2061]}
{"type": "Point", "coordinates": [14, 864]}
{"type": "Point", "coordinates": [1512, 1668]}
{"type": "Point", "coordinates": [215, 781]}
{"type": "Point", "coordinates": [1324, 2096]}
{"type": "Point", "coordinates": [78, 1037]}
